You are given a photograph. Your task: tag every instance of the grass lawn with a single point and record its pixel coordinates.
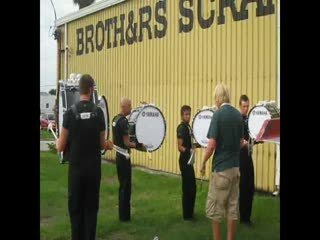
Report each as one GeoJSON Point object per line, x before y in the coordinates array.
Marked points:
{"type": "Point", "coordinates": [156, 208]}
{"type": "Point", "coordinates": [46, 135]}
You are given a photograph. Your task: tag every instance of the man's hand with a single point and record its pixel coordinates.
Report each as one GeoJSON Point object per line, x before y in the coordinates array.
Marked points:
{"type": "Point", "coordinates": [243, 143]}
{"type": "Point", "coordinates": [140, 146]}
{"type": "Point", "coordinates": [192, 150]}
{"type": "Point", "coordinates": [203, 168]}
{"type": "Point", "coordinates": [108, 145]}
{"type": "Point", "coordinates": [144, 148]}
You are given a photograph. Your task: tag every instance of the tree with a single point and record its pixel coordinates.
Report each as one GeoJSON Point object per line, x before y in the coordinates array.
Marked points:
{"type": "Point", "coordinates": [53, 91]}
{"type": "Point", "coordinates": [83, 3]}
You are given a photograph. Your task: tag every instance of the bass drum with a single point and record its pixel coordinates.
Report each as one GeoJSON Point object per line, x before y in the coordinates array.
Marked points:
{"type": "Point", "coordinates": [200, 126]}
{"type": "Point", "coordinates": [259, 114]}
{"type": "Point", "coordinates": [62, 108]}
{"type": "Point", "coordinates": [147, 125]}
{"type": "Point", "coordinates": [103, 104]}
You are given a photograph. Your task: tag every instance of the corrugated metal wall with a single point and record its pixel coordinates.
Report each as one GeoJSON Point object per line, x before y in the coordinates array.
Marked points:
{"type": "Point", "coordinates": [184, 68]}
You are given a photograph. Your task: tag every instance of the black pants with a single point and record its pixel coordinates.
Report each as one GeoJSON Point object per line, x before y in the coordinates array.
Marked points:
{"type": "Point", "coordinates": [246, 186]}
{"type": "Point", "coordinates": [189, 187]}
{"type": "Point", "coordinates": [124, 177]}
{"type": "Point", "coordinates": [83, 202]}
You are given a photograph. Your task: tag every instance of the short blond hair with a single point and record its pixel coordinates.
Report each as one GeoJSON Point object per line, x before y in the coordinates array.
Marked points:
{"type": "Point", "coordinates": [125, 101]}
{"type": "Point", "coordinates": [221, 94]}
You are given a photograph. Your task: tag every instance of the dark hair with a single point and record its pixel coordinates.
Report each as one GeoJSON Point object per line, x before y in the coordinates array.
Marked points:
{"type": "Point", "coordinates": [86, 82]}
{"type": "Point", "coordinates": [185, 108]}
{"type": "Point", "coordinates": [243, 98]}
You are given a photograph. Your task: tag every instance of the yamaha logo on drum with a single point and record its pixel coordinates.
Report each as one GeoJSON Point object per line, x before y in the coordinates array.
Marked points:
{"type": "Point", "coordinates": [205, 117]}
{"type": "Point", "coordinates": [260, 113]}
{"type": "Point", "coordinates": [150, 114]}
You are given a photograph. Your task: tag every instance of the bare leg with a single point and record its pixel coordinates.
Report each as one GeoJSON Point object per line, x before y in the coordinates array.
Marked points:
{"type": "Point", "coordinates": [232, 227]}
{"type": "Point", "coordinates": [216, 230]}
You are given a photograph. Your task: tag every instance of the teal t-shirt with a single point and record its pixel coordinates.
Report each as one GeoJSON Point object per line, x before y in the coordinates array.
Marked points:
{"type": "Point", "coordinates": [226, 128]}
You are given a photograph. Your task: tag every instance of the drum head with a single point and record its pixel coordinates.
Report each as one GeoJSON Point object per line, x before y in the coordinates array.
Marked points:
{"type": "Point", "coordinates": [150, 127]}
{"type": "Point", "coordinates": [256, 118]}
{"type": "Point", "coordinates": [200, 126]}
{"type": "Point", "coordinates": [103, 104]}
{"type": "Point", "coordinates": [60, 113]}
{"type": "Point", "coordinates": [133, 115]}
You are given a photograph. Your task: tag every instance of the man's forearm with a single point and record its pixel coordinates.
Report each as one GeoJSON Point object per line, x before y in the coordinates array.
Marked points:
{"type": "Point", "coordinates": [60, 147]}
{"type": "Point", "coordinates": [207, 154]}
{"type": "Point", "coordinates": [130, 144]}
{"type": "Point", "coordinates": [182, 149]}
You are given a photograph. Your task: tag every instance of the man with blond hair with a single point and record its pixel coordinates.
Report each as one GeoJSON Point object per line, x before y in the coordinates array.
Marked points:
{"type": "Point", "coordinates": [120, 127]}
{"type": "Point", "coordinates": [225, 140]}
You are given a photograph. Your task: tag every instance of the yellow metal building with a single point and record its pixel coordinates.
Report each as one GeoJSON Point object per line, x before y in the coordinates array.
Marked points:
{"type": "Point", "coordinates": [174, 52]}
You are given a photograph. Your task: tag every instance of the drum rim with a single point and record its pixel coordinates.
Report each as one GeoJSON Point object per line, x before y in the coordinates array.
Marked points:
{"type": "Point", "coordinates": [134, 110]}
{"type": "Point", "coordinates": [165, 125]}
{"type": "Point", "coordinates": [258, 105]}
{"type": "Point", "coordinates": [209, 109]}
{"type": "Point", "coordinates": [107, 108]}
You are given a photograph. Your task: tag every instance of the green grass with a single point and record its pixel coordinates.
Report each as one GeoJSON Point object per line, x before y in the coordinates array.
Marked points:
{"type": "Point", "coordinates": [156, 208]}
{"type": "Point", "coordinates": [46, 135]}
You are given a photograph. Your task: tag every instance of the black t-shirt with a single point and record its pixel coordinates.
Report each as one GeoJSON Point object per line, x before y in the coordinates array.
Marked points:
{"type": "Point", "coordinates": [244, 152]}
{"type": "Point", "coordinates": [84, 135]}
{"type": "Point", "coordinates": [185, 133]}
{"type": "Point", "coordinates": [120, 127]}
{"type": "Point", "coordinates": [245, 127]}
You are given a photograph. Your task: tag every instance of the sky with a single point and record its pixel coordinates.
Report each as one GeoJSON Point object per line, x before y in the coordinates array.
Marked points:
{"type": "Point", "coordinates": [48, 46]}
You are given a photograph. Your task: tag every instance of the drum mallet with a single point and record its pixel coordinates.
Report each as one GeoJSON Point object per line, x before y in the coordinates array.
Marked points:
{"type": "Point", "coordinates": [50, 128]}
{"type": "Point", "coordinates": [190, 162]}
{"type": "Point", "coordinates": [121, 151]}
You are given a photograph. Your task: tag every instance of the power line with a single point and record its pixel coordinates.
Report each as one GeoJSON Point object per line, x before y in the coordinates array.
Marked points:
{"type": "Point", "coordinates": [55, 19]}
{"type": "Point", "coordinates": [55, 15]}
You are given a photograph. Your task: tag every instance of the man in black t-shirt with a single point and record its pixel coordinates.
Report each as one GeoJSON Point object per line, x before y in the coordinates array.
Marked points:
{"type": "Point", "coordinates": [83, 131]}
{"type": "Point", "coordinates": [121, 139]}
{"type": "Point", "coordinates": [246, 168]}
{"type": "Point", "coordinates": [184, 135]}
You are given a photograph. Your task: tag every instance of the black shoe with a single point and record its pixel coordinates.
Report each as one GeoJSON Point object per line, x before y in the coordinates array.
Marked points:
{"type": "Point", "coordinates": [189, 218]}
{"type": "Point", "coordinates": [247, 223]}
{"type": "Point", "coordinates": [125, 220]}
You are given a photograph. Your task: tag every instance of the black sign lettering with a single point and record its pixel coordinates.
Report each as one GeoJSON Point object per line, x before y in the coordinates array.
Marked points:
{"type": "Point", "coordinates": [119, 30]}
{"type": "Point", "coordinates": [89, 38]}
{"type": "Point", "coordinates": [108, 26]}
{"type": "Point", "coordinates": [188, 13]}
{"type": "Point", "coordinates": [145, 24]}
{"type": "Point", "coordinates": [80, 47]}
{"type": "Point", "coordinates": [152, 20]}
{"type": "Point", "coordinates": [161, 19]}
{"type": "Point", "coordinates": [232, 5]}
{"type": "Point", "coordinates": [132, 27]}
{"type": "Point", "coordinates": [204, 23]}
{"type": "Point", "coordinates": [261, 10]}
{"type": "Point", "coordinates": [99, 26]}
{"type": "Point", "coordinates": [269, 9]}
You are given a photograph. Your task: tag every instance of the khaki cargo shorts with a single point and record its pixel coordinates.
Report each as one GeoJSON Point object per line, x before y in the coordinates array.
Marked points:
{"type": "Point", "coordinates": [223, 195]}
